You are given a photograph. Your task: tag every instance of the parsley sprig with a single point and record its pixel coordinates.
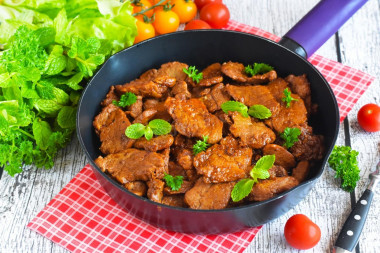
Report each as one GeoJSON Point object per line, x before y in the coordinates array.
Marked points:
{"type": "Point", "coordinates": [290, 136]}
{"type": "Point", "coordinates": [259, 171]}
{"type": "Point", "coordinates": [256, 111]}
{"type": "Point", "coordinates": [343, 160]}
{"type": "Point", "coordinates": [174, 183]}
{"type": "Point", "coordinates": [201, 145]}
{"type": "Point", "coordinates": [156, 126]}
{"type": "Point", "coordinates": [257, 68]}
{"type": "Point", "coordinates": [288, 98]}
{"type": "Point", "coordinates": [192, 72]}
{"type": "Point", "coordinates": [126, 99]}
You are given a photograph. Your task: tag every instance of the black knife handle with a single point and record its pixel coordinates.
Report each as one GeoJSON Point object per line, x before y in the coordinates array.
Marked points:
{"type": "Point", "coordinates": [350, 233]}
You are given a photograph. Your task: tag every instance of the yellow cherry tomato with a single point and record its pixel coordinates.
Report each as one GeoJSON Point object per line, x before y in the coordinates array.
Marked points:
{"type": "Point", "coordinates": [140, 5]}
{"type": "Point", "coordinates": [144, 31]}
{"type": "Point", "coordinates": [166, 21]}
{"type": "Point", "coordinates": [163, 3]}
{"type": "Point", "coordinates": [185, 9]}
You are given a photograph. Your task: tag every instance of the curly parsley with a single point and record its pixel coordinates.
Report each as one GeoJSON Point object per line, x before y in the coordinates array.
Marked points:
{"type": "Point", "coordinates": [192, 72]}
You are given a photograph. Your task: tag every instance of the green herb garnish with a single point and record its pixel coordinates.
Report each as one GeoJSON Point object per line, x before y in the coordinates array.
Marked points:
{"type": "Point", "coordinates": [126, 99]}
{"type": "Point", "coordinates": [288, 98]}
{"type": "Point", "coordinates": [234, 106]}
{"type": "Point", "coordinates": [290, 136]}
{"type": "Point", "coordinates": [156, 126]}
{"type": "Point", "coordinates": [259, 112]}
{"type": "Point", "coordinates": [173, 182]}
{"type": "Point", "coordinates": [259, 171]}
{"type": "Point", "coordinates": [343, 160]}
{"type": "Point", "coordinates": [192, 72]}
{"type": "Point", "coordinates": [257, 68]}
{"type": "Point", "coordinates": [200, 145]}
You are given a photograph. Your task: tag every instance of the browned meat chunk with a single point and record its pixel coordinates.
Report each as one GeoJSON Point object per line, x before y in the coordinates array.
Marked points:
{"type": "Point", "coordinates": [111, 96]}
{"type": "Point", "coordinates": [155, 190]}
{"type": "Point", "coordinates": [301, 86]}
{"type": "Point", "coordinates": [162, 113]}
{"type": "Point", "coordinates": [145, 117]}
{"type": "Point", "coordinates": [110, 125]}
{"type": "Point", "coordinates": [253, 134]}
{"type": "Point", "coordinates": [136, 108]}
{"type": "Point", "coordinates": [283, 157]}
{"type": "Point", "coordinates": [185, 158]}
{"type": "Point", "coordinates": [212, 70]}
{"type": "Point", "coordinates": [269, 188]}
{"type": "Point", "coordinates": [176, 170]}
{"type": "Point", "coordinates": [236, 71]}
{"type": "Point", "coordinates": [180, 91]}
{"type": "Point", "coordinates": [209, 196]}
{"type": "Point", "coordinates": [277, 171]}
{"type": "Point", "coordinates": [133, 165]}
{"type": "Point", "coordinates": [216, 97]}
{"type": "Point", "coordinates": [137, 187]}
{"type": "Point", "coordinates": [293, 116]}
{"type": "Point", "coordinates": [155, 144]}
{"type": "Point", "coordinates": [192, 119]}
{"type": "Point", "coordinates": [277, 87]}
{"type": "Point", "coordinates": [254, 95]}
{"type": "Point", "coordinates": [309, 146]}
{"type": "Point", "coordinates": [224, 162]}
{"type": "Point", "coordinates": [174, 200]}
{"type": "Point", "coordinates": [186, 185]}
{"type": "Point", "coordinates": [301, 171]}
{"type": "Point", "coordinates": [174, 70]}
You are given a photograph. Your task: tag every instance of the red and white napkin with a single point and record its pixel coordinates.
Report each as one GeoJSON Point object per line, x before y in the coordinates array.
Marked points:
{"type": "Point", "coordinates": [83, 218]}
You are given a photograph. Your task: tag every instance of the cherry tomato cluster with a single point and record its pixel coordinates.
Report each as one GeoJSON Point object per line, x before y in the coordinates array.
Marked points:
{"type": "Point", "coordinates": [164, 16]}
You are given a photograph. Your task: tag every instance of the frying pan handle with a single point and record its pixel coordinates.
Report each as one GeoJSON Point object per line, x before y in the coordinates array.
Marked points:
{"type": "Point", "coordinates": [314, 29]}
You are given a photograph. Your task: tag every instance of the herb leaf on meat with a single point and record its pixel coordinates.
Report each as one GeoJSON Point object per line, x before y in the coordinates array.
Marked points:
{"type": "Point", "coordinates": [126, 99]}
{"type": "Point", "coordinates": [290, 136]}
{"type": "Point", "coordinates": [234, 106]}
{"type": "Point", "coordinates": [173, 182]}
{"type": "Point", "coordinates": [148, 133]}
{"type": "Point", "coordinates": [343, 160]}
{"type": "Point", "coordinates": [135, 131]}
{"type": "Point", "coordinates": [160, 126]}
{"type": "Point", "coordinates": [242, 189]}
{"type": "Point", "coordinates": [259, 112]}
{"type": "Point", "coordinates": [156, 126]}
{"type": "Point", "coordinates": [192, 72]}
{"type": "Point", "coordinates": [200, 145]}
{"type": "Point", "coordinates": [288, 98]}
{"type": "Point", "coordinates": [258, 68]}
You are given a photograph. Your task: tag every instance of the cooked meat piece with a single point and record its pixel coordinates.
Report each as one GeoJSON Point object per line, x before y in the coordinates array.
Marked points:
{"type": "Point", "coordinates": [309, 147]}
{"type": "Point", "coordinates": [253, 134]}
{"type": "Point", "coordinates": [136, 108]}
{"type": "Point", "coordinates": [216, 98]}
{"type": "Point", "coordinates": [183, 142]}
{"type": "Point", "coordinates": [283, 157]}
{"type": "Point", "coordinates": [224, 162]}
{"type": "Point", "coordinates": [155, 144]}
{"type": "Point", "coordinates": [137, 187]}
{"type": "Point", "coordinates": [192, 119]}
{"type": "Point", "coordinates": [166, 155]}
{"type": "Point", "coordinates": [209, 196]}
{"type": "Point", "coordinates": [173, 69]}
{"type": "Point", "coordinates": [180, 90]}
{"type": "Point", "coordinates": [146, 116]}
{"type": "Point", "coordinates": [277, 87]}
{"type": "Point", "coordinates": [155, 190]}
{"type": "Point", "coordinates": [212, 70]}
{"type": "Point", "coordinates": [269, 188]}
{"type": "Point", "coordinates": [192, 175]}
{"type": "Point", "coordinates": [301, 171]}
{"type": "Point", "coordinates": [186, 185]}
{"type": "Point", "coordinates": [176, 170]}
{"type": "Point", "coordinates": [301, 86]}
{"type": "Point", "coordinates": [133, 164]}
{"type": "Point", "coordinates": [162, 113]}
{"type": "Point", "coordinates": [205, 82]}
{"type": "Point", "coordinates": [277, 171]}
{"type": "Point", "coordinates": [174, 200]}
{"type": "Point", "coordinates": [254, 95]}
{"type": "Point", "coordinates": [185, 158]}
{"type": "Point", "coordinates": [236, 71]}
{"type": "Point", "coordinates": [111, 96]}
{"type": "Point", "coordinates": [110, 125]}
{"type": "Point", "coordinates": [293, 116]}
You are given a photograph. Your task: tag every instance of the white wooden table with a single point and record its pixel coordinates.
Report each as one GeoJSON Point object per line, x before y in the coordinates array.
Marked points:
{"type": "Point", "coordinates": [357, 44]}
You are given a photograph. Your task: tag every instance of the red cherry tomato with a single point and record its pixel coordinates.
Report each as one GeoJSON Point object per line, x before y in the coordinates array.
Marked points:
{"type": "Point", "coordinates": [201, 3]}
{"type": "Point", "coordinates": [369, 117]}
{"type": "Point", "coordinates": [301, 233]}
{"type": "Point", "coordinates": [197, 25]}
{"type": "Point", "coordinates": [216, 15]}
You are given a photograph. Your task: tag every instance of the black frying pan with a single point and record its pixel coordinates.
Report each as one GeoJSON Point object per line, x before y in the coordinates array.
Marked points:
{"type": "Point", "coordinates": [201, 48]}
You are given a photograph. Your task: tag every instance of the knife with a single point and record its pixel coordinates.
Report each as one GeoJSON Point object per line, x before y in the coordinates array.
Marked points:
{"type": "Point", "coordinates": [349, 235]}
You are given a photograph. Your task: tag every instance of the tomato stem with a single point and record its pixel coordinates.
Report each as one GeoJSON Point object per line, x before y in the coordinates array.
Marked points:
{"type": "Point", "coordinates": [150, 8]}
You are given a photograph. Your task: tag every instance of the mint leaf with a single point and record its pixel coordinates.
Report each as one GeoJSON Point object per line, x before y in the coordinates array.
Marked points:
{"type": "Point", "coordinates": [200, 145]}
{"type": "Point", "coordinates": [74, 81]}
{"type": "Point", "coordinates": [260, 170]}
{"type": "Point", "coordinates": [41, 133]}
{"type": "Point", "coordinates": [148, 133]}
{"type": "Point", "coordinates": [192, 72]}
{"type": "Point", "coordinates": [135, 131]}
{"type": "Point", "coordinates": [234, 106]}
{"type": "Point", "coordinates": [287, 97]}
{"type": "Point", "coordinates": [126, 99]}
{"type": "Point", "coordinates": [290, 136]}
{"type": "Point", "coordinates": [242, 189]}
{"type": "Point", "coordinates": [258, 68]}
{"type": "Point", "coordinates": [67, 117]}
{"type": "Point", "coordinates": [160, 126]}
{"type": "Point", "coordinates": [259, 112]}
{"type": "Point", "coordinates": [173, 182]}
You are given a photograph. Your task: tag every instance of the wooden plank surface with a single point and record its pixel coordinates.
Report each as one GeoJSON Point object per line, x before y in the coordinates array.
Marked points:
{"type": "Point", "coordinates": [357, 44]}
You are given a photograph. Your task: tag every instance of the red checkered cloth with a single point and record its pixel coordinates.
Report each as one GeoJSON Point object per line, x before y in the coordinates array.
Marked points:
{"type": "Point", "coordinates": [83, 218]}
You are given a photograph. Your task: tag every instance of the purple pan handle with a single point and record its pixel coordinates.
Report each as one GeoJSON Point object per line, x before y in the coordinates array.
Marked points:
{"type": "Point", "coordinates": [313, 30]}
